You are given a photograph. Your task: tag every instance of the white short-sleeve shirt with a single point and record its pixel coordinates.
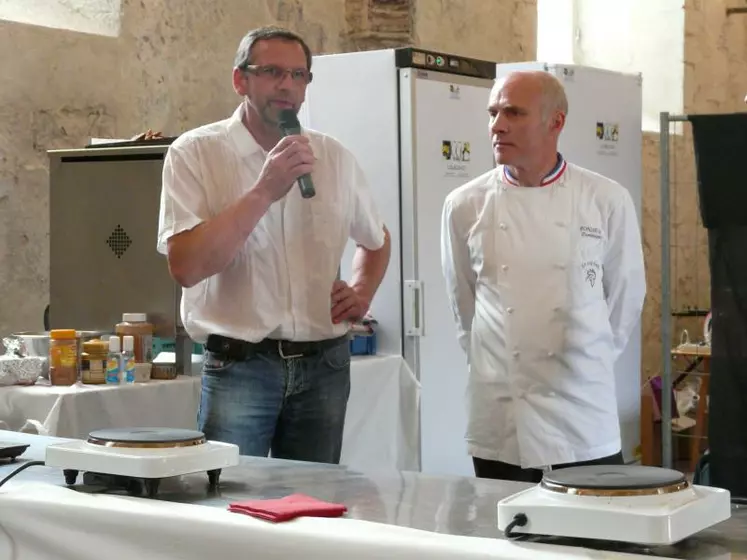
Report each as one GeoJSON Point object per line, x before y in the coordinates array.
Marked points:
{"type": "Point", "coordinates": [279, 284]}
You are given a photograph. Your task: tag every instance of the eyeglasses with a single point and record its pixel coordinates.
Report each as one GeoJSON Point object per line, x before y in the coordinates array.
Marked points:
{"type": "Point", "coordinates": [276, 73]}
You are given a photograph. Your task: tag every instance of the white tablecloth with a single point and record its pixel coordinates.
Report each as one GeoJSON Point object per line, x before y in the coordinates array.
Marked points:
{"type": "Point", "coordinates": [75, 411]}
{"type": "Point", "coordinates": [44, 522]}
{"type": "Point", "coordinates": [381, 429]}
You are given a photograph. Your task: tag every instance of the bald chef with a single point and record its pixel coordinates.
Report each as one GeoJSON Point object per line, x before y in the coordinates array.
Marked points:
{"type": "Point", "coordinates": [544, 270]}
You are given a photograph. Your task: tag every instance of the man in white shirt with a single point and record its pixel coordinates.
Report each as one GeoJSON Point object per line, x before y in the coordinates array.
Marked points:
{"type": "Point", "coordinates": [258, 263]}
{"type": "Point", "coordinates": [544, 269]}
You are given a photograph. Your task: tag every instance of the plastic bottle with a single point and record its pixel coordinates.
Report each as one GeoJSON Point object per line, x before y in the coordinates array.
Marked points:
{"type": "Point", "coordinates": [113, 362]}
{"type": "Point", "coordinates": [137, 326]}
{"type": "Point", "coordinates": [128, 359]}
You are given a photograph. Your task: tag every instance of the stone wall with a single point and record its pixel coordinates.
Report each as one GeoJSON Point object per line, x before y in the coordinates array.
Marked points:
{"type": "Point", "coordinates": [169, 70]}
{"type": "Point", "coordinates": [58, 88]}
{"type": "Point", "coordinates": [503, 31]}
{"type": "Point", "coordinates": [715, 82]}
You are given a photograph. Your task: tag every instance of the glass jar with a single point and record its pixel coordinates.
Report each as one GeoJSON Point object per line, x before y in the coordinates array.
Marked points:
{"type": "Point", "coordinates": [93, 361]}
{"type": "Point", "coordinates": [63, 357]}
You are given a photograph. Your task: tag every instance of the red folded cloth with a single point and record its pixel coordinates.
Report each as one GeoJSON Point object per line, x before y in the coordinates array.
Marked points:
{"type": "Point", "coordinates": [290, 507]}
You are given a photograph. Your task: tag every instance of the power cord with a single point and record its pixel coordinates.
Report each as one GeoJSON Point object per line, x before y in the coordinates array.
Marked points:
{"type": "Point", "coordinates": [520, 520]}
{"type": "Point", "coordinates": [21, 468]}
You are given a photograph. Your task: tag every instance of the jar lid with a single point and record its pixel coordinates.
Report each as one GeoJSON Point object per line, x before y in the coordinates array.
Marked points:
{"type": "Point", "coordinates": [96, 346]}
{"type": "Point", "coordinates": [63, 334]}
{"type": "Point", "coordinates": [134, 317]}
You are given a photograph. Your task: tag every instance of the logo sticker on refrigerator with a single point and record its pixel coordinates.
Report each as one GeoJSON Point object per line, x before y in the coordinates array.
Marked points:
{"type": "Point", "coordinates": [457, 155]}
{"type": "Point", "coordinates": [453, 91]}
{"type": "Point", "coordinates": [608, 134]}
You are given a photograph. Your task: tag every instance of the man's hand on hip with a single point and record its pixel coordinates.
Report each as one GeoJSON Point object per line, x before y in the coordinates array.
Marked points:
{"type": "Point", "coordinates": [347, 304]}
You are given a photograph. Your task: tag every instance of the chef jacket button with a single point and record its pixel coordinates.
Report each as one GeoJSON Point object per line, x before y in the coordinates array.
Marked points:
{"type": "Point", "coordinates": [504, 267]}
{"type": "Point", "coordinates": [516, 354]}
{"type": "Point", "coordinates": [510, 309]}
{"type": "Point", "coordinates": [550, 354]}
{"type": "Point", "coordinates": [561, 266]}
{"type": "Point", "coordinates": [502, 225]}
{"type": "Point", "coordinates": [560, 224]}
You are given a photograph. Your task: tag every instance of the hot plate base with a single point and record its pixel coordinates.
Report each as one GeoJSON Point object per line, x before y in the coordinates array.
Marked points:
{"type": "Point", "coordinates": [647, 520]}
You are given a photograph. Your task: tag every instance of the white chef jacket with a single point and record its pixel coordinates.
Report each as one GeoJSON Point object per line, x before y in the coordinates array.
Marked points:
{"type": "Point", "coordinates": [546, 285]}
{"type": "Point", "coordinates": [279, 284]}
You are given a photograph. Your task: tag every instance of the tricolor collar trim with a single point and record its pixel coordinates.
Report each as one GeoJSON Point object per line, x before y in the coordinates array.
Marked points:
{"type": "Point", "coordinates": [549, 179]}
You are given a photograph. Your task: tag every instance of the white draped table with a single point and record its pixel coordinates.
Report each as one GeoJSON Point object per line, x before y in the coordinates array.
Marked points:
{"type": "Point", "coordinates": [381, 432]}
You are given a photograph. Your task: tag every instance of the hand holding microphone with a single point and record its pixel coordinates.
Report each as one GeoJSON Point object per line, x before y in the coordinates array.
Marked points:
{"type": "Point", "coordinates": [289, 126]}
{"type": "Point", "coordinates": [289, 161]}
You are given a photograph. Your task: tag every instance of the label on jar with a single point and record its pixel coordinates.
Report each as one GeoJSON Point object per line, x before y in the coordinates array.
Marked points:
{"type": "Point", "coordinates": [94, 371]}
{"type": "Point", "coordinates": [64, 355]}
{"type": "Point", "coordinates": [146, 348]}
{"type": "Point", "coordinates": [112, 369]}
{"type": "Point", "coordinates": [142, 347]}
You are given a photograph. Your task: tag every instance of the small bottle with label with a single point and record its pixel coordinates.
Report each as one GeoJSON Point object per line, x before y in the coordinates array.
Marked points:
{"type": "Point", "coordinates": [113, 362]}
{"type": "Point", "coordinates": [128, 359]}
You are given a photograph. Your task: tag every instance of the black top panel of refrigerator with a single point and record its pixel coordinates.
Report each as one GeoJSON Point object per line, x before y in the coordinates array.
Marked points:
{"type": "Point", "coordinates": [410, 57]}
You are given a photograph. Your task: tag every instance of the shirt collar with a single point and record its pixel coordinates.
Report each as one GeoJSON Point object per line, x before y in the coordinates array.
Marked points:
{"type": "Point", "coordinates": [554, 176]}
{"type": "Point", "coordinates": [242, 139]}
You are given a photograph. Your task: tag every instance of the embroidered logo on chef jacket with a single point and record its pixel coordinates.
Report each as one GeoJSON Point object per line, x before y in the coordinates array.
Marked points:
{"type": "Point", "coordinates": [590, 231]}
{"type": "Point", "coordinates": [591, 271]}
{"type": "Point", "coordinates": [591, 276]}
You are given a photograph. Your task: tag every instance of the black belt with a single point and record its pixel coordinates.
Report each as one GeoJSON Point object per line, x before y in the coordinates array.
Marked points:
{"type": "Point", "coordinates": [239, 350]}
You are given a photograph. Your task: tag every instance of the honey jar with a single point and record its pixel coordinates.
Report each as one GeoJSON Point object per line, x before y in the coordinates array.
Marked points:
{"type": "Point", "coordinates": [63, 357]}
{"type": "Point", "coordinates": [93, 361]}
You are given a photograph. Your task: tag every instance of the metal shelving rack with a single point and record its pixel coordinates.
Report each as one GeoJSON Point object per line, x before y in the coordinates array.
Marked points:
{"type": "Point", "coordinates": [669, 314]}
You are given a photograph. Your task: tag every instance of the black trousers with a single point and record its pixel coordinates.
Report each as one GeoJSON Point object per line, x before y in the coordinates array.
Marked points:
{"type": "Point", "coordinates": [485, 468]}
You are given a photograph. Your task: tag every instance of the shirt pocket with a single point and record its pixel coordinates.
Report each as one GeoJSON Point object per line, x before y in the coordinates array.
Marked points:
{"type": "Point", "coordinates": [326, 216]}
{"type": "Point", "coordinates": [230, 180]}
{"type": "Point", "coordinates": [260, 237]}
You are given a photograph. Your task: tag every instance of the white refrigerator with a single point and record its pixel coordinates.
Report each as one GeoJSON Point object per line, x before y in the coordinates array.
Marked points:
{"type": "Point", "coordinates": [417, 123]}
{"type": "Point", "coordinates": [604, 133]}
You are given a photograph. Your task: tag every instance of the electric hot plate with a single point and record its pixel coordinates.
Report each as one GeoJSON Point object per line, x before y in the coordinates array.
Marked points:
{"type": "Point", "coordinates": [626, 503]}
{"type": "Point", "coordinates": [10, 451]}
{"type": "Point", "coordinates": [143, 454]}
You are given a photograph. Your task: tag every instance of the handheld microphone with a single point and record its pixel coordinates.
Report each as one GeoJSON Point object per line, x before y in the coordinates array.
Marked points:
{"type": "Point", "coordinates": [289, 125]}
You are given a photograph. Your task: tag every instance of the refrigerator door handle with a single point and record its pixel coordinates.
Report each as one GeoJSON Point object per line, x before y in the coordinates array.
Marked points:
{"type": "Point", "coordinates": [413, 307]}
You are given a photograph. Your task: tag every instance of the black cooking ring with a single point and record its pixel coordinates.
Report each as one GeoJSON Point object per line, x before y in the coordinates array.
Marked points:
{"type": "Point", "coordinates": [614, 477]}
{"type": "Point", "coordinates": [145, 435]}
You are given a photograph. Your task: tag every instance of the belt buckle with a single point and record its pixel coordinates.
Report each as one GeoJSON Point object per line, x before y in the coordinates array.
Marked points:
{"type": "Point", "coordinates": [283, 355]}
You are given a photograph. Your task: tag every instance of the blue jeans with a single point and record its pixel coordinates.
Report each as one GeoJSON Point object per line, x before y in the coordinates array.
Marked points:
{"type": "Point", "coordinates": [292, 407]}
